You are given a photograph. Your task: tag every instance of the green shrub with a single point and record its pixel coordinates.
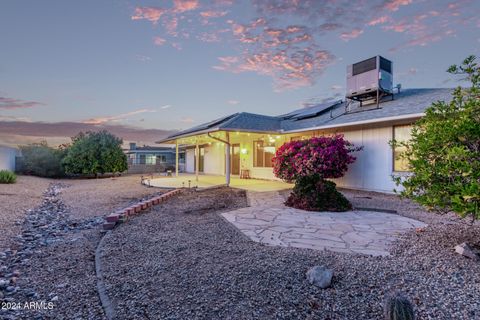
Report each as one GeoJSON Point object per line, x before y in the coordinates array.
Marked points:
{"type": "Point", "coordinates": [444, 151]}
{"type": "Point", "coordinates": [7, 176]}
{"type": "Point", "coordinates": [94, 153]}
{"type": "Point", "coordinates": [312, 193]}
{"type": "Point", "coordinates": [39, 159]}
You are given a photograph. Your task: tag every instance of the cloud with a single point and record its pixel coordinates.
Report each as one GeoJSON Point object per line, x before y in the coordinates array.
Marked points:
{"type": "Point", "coordinates": [336, 87]}
{"type": "Point", "coordinates": [142, 58]}
{"type": "Point", "coordinates": [394, 5]}
{"type": "Point", "coordinates": [213, 14]}
{"type": "Point", "coordinates": [22, 132]}
{"type": "Point", "coordinates": [379, 20]}
{"type": "Point", "coordinates": [159, 41]}
{"type": "Point", "coordinates": [282, 39]}
{"type": "Point", "coordinates": [167, 106]}
{"type": "Point", "coordinates": [187, 120]}
{"type": "Point", "coordinates": [185, 5]}
{"type": "Point", "coordinates": [233, 102]}
{"type": "Point", "coordinates": [152, 14]}
{"type": "Point", "coordinates": [12, 118]}
{"type": "Point", "coordinates": [347, 36]}
{"type": "Point", "coordinates": [10, 103]}
{"type": "Point", "coordinates": [123, 116]}
{"type": "Point", "coordinates": [288, 69]}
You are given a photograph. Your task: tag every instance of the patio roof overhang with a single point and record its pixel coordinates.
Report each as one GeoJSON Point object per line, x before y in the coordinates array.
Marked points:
{"type": "Point", "coordinates": [204, 134]}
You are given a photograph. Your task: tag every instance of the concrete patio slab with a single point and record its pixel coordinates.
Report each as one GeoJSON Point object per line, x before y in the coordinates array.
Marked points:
{"type": "Point", "coordinates": [268, 221]}
{"type": "Point", "coordinates": [208, 181]}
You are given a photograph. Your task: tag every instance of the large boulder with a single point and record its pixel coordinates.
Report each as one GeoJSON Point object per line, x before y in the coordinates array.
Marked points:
{"type": "Point", "coordinates": [320, 276]}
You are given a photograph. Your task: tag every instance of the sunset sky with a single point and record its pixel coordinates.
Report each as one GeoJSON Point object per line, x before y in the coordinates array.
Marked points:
{"type": "Point", "coordinates": [168, 65]}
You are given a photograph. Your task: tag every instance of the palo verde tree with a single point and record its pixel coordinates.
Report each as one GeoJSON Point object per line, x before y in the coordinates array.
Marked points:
{"type": "Point", "coordinates": [444, 150]}
{"type": "Point", "coordinates": [94, 153]}
{"type": "Point", "coordinates": [309, 163]}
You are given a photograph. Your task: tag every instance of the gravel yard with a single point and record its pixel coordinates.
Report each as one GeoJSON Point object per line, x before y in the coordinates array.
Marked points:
{"type": "Point", "coordinates": [94, 197]}
{"type": "Point", "coordinates": [53, 259]}
{"type": "Point", "coordinates": [15, 199]}
{"type": "Point", "coordinates": [183, 261]}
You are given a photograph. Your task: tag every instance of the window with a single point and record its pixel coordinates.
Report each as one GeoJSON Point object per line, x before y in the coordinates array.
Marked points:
{"type": "Point", "coordinates": [162, 158]}
{"type": "Point", "coordinates": [400, 134]}
{"type": "Point", "coordinates": [263, 154]}
{"type": "Point", "coordinates": [150, 159]}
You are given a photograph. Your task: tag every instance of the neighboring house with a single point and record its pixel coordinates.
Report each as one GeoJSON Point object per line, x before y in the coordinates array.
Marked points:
{"type": "Point", "coordinates": [7, 158]}
{"type": "Point", "coordinates": [147, 159]}
{"type": "Point", "coordinates": [254, 138]}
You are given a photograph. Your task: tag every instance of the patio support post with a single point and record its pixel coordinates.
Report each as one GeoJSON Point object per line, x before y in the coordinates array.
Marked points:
{"type": "Point", "coordinates": [176, 158]}
{"type": "Point", "coordinates": [197, 159]}
{"type": "Point", "coordinates": [227, 160]}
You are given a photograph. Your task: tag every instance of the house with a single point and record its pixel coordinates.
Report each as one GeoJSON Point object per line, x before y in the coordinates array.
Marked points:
{"type": "Point", "coordinates": [7, 157]}
{"type": "Point", "coordinates": [148, 159]}
{"type": "Point", "coordinates": [369, 116]}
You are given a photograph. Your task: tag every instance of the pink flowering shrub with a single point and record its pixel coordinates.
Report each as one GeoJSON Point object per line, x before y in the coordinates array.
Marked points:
{"type": "Point", "coordinates": [308, 163]}
{"type": "Point", "coordinates": [328, 157]}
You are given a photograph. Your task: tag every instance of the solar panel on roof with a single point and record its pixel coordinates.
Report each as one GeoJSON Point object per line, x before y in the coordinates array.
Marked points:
{"type": "Point", "coordinates": [315, 110]}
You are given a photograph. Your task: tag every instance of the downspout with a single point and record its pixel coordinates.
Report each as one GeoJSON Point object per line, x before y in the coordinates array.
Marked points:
{"type": "Point", "coordinates": [227, 156]}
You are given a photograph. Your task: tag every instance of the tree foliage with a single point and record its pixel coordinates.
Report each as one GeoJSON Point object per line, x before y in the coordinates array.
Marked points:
{"type": "Point", "coordinates": [94, 153]}
{"type": "Point", "coordinates": [39, 159]}
{"type": "Point", "coordinates": [444, 150]}
{"type": "Point", "coordinates": [308, 163]}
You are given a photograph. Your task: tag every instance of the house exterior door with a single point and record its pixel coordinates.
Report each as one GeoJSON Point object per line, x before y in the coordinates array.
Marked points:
{"type": "Point", "coordinates": [235, 159]}
{"type": "Point", "coordinates": [201, 160]}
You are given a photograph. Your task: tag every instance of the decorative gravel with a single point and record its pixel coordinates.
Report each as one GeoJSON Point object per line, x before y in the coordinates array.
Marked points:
{"type": "Point", "coordinates": [183, 261]}
{"type": "Point", "coordinates": [51, 261]}
{"type": "Point", "coordinates": [15, 199]}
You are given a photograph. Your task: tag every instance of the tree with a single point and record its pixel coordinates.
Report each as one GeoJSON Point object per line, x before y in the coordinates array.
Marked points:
{"type": "Point", "coordinates": [94, 153]}
{"type": "Point", "coordinates": [444, 150]}
{"type": "Point", "coordinates": [309, 163]}
{"type": "Point", "coordinates": [41, 160]}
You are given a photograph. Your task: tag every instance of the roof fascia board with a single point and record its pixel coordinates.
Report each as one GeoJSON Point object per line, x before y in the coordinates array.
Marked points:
{"type": "Point", "coordinates": [360, 123]}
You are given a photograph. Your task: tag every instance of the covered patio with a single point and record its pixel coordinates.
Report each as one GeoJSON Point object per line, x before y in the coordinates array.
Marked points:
{"type": "Point", "coordinates": [207, 181]}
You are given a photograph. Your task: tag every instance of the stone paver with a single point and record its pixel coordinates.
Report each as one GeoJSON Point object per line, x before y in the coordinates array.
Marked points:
{"type": "Point", "coordinates": [268, 221]}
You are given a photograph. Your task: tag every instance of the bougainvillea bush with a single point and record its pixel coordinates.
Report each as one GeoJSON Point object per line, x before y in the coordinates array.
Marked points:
{"type": "Point", "coordinates": [309, 163]}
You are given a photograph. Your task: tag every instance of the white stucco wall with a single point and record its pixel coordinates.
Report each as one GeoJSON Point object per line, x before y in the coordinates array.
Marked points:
{"type": "Point", "coordinates": [7, 158]}
{"type": "Point", "coordinates": [214, 162]}
{"type": "Point", "coordinates": [373, 168]}
{"type": "Point", "coordinates": [190, 160]}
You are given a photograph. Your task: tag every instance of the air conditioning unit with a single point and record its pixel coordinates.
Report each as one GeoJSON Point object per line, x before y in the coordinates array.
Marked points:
{"type": "Point", "coordinates": [368, 77]}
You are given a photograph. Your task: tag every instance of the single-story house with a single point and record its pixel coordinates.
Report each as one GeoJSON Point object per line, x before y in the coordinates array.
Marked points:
{"type": "Point", "coordinates": [148, 159]}
{"type": "Point", "coordinates": [7, 157]}
{"type": "Point", "coordinates": [244, 143]}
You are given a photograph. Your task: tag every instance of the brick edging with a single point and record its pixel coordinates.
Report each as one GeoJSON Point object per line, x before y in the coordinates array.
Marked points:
{"type": "Point", "coordinates": [122, 216]}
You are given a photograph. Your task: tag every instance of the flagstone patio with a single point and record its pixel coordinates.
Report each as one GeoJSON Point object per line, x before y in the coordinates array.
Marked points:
{"type": "Point", "coordinates": [268, 221]}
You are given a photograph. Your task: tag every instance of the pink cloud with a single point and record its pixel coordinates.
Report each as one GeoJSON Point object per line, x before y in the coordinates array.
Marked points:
{"type": "Point", "coordinates": [117, 118]}
{"type": "Point", "coordinates": [233, 102]}
{"type": "Point", "coordinates": [394, 5]}
{"type": "Point", "coordinates": [159, 41]}
{"type": "Point", "coordinates": [288, 69]}
{"type": "Point", "coordinates": [347, 36]}
{"type": "Point", "coordinates": [213, 14]}
{"type": "Point", "coordinates": [187, 120]}
{"type": "Point", "coordinates": [379, 20]}
{"type": "Point", "coordinates": [177, 46]}
{"type": "Point", "coordinates": [152, 14]}
{"type": "Point", "coordinates": [185, 5]}
{"type": "Point", "coordinates": [10, 103]}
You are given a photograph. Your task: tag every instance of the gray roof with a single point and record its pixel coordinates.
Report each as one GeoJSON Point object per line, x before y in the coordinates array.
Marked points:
{"type": "Point", "coordinates": [409, 102]}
